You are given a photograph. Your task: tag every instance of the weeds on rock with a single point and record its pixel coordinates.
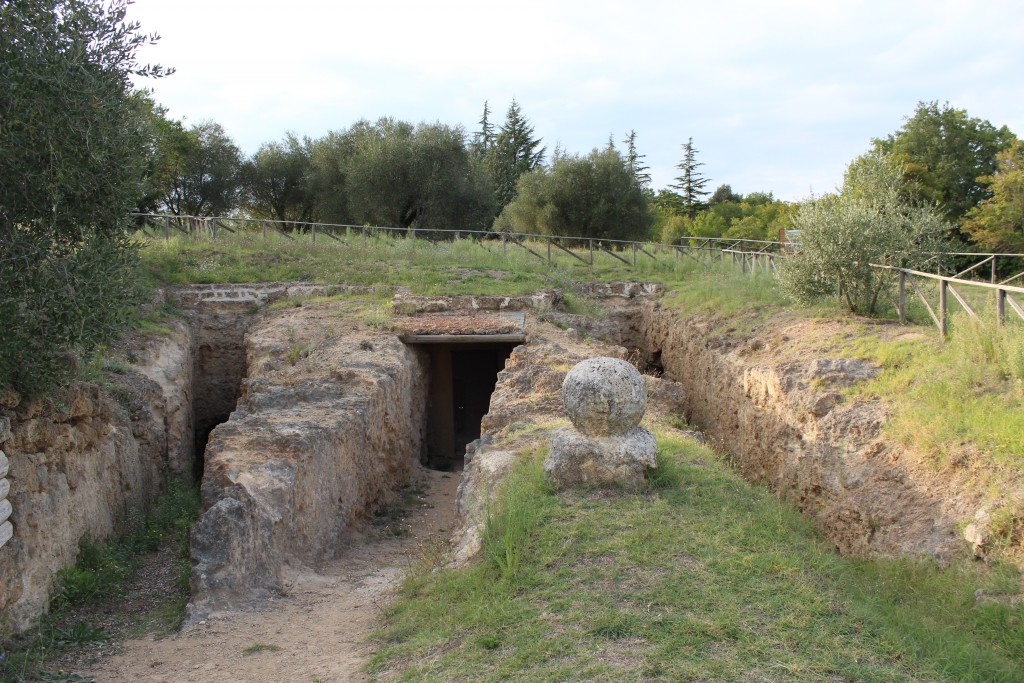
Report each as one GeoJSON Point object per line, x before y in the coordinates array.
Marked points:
{"type": "Point", "coordinates": [96, 577]}
{"type": "Point", "coordinates": [261, 647]}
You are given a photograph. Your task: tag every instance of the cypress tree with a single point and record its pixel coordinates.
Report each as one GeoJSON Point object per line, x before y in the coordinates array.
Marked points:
{"type": "Point", "coordinates": [690, 182]}
{"type": "Point", "coordinates": [515, 151]}
{"type": "Point", "coordinates": [634, 161]}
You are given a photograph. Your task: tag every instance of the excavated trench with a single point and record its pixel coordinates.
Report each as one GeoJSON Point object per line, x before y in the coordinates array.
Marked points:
{"type": "Point", "coordinates": [306, 421]}
{"type": "Point", "coordinates": [300, 421]}
{"type": "Point", "coordinates": [218, 370]}
{"type": "Point", "coordinates": [327, 424]}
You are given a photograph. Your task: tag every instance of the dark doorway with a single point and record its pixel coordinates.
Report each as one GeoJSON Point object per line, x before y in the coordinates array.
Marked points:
{"type": "Point", "coordinates": [216, 384]}
{"type": "Point", "coordinates": [474, 375]}
{"type": "Point", "coordinates": [462, 379]}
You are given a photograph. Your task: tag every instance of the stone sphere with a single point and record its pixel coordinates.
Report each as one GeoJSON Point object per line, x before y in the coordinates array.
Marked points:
{"type": "Point", "coordinates": [604, 396]}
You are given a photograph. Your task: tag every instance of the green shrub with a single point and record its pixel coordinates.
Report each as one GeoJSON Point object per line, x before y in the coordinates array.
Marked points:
{"type": "Point", "coordinates": [72, 161]}
{"type": "Point", "coordinates": [872, 220]}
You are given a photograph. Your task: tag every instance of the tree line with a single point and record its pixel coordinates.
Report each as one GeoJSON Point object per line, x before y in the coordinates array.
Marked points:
{"type": "Point", "coordinates": [432, 176]}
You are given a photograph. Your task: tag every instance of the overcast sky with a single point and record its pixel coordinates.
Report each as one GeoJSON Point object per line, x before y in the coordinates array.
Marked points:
{"type": "Point", "coordinates": [778, 96]}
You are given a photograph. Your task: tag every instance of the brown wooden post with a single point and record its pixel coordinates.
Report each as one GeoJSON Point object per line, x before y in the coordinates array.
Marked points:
{"type": "Point", "coordinates": [591, 243]}
{"type": "Point", "coordinates": [263, 224]}
{"type": "Point", "coordinates": [1001, 306]}
{"type": "Point", "coordinates": [313, 232]}
{"type": "Point", "coordinates": [903, 298]}
{"type": "Point", "coordinates": [213, 227]}
{"type": "Point", "coordinates": [999, 302]}
{"type": "Point", "coordinates": [364, 235]}
{"type": "Point", "coordinates": [634, 254]}
{"type": "Point", "coordinates": [943, 309]}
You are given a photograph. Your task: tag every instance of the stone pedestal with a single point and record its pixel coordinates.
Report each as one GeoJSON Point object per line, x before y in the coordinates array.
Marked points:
{"type": "Point", "coordinates": [605, 399]}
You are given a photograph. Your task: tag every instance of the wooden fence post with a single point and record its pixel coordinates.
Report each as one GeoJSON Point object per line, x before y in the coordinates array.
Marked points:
{"type": "Point", "coordinates": [263, 224]}
{"type": "Point", "coordinates": [167, 228]}
{"type": "Point", "coordinates": [313, 231]}
{"type": "Point", "coordinates": [1001, 306]}
{"type": "Point", "coordinates": [549, 250]}
{"type": "Point", "coordinates": [902, 305]}
{"type": "Point", "coordinates": [591, 243]}
{"type": "Point", "coordinates": [943, 309]}
{"type": "Point", "coordinates": [634, 254]}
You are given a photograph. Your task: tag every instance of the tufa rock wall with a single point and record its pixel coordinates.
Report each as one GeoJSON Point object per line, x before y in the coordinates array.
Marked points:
{"type": "Point", "coordinates": [82, 462]}
{"type": "Point", "coordinates": [331, 419]}
{"type": "Point", "coordinates": [783, 419]}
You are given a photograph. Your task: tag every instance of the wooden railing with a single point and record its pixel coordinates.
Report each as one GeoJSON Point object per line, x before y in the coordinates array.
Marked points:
{"type": "Point", "coordinates": [582, 249]}
{"type": "Point", "coordinates": [752, 256]}
{"type": "Point", "coordinates": [948, 285]}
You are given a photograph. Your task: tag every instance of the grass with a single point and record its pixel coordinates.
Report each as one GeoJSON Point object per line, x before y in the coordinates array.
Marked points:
{"type": "Point", "coordinates": [454, 267]}
{"type": "Point", "coordinates": [965, 392]}
{"type": "Point", "coordinates": [98, 577]}
{"type": "Point", "coordinates": [703, 577]}
{"type": "Point", "coordinates": [260, 647]}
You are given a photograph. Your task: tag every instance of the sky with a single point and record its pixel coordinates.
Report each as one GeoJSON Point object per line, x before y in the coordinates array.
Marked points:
{"type": "Point", "coordinates": [778, 96]}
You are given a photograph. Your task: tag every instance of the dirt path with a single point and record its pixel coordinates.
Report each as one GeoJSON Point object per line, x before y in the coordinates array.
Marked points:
{"type": "Point", "coordinates": [316, 633]}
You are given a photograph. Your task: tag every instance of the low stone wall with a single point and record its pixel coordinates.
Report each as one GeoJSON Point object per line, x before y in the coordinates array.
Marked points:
{"type": "Point", "coordinates": [6, 529]}
{"type": "Point", "coordinates": [331, 420]}
{"type": "Point", "coordinates": [257, 293]}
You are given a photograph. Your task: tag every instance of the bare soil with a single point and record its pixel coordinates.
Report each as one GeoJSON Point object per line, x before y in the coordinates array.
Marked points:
{"type": "Point", "coordinates": [319, 630]}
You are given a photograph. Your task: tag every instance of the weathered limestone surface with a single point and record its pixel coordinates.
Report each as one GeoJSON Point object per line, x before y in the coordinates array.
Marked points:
{"type": "Point", "coordinates": [169, 361]}
{"type": "Point", "coordinates": [526, 408]}
{"type": "Point", "coordinates": [604, 396]}
{"type": "Point", "coordinates": [578, 460]}
{"type": "Point", "coordinates": [79, 465]}
{"type": "Point", "coordinates": [331, 419]}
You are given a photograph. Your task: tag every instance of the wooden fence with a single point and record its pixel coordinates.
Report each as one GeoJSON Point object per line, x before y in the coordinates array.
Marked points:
{"type": "Point", "coordinates": [751, 256]}
{"type": "Point", "coordinates": [544, 247]}
{"type": "Point", "coordinates": [947, 286]}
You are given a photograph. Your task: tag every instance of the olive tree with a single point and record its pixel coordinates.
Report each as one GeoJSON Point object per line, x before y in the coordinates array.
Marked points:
{"type": "Point", "coordinates": [870, 221]}
{"type": "Point", "coordinates": [593, 196]}
{"type": "Point", "coordinates": [73, 147]}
